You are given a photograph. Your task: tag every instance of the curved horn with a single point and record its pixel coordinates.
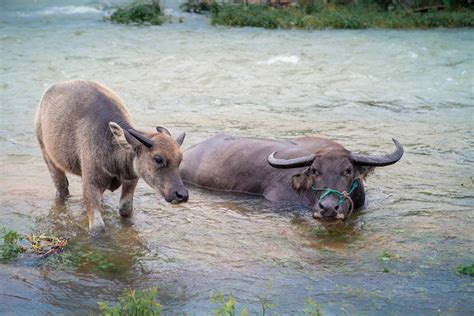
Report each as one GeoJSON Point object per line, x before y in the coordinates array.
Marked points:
{"type": "Point", "coordinates": [382, 160]}
{"type": "Point", "coordinates": [142, 139]}
{"type": "Point", "coordinates": [290, 163]}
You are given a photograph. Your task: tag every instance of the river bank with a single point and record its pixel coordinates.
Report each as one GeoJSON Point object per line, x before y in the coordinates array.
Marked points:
{"type": "Point", "coordinates": [311, 16]}
{"type": "Point", "coordinates": [337, 17]}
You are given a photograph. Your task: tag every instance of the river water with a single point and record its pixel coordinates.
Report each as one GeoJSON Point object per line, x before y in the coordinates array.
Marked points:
{"type": "Point", "coordinates": [357, 87]}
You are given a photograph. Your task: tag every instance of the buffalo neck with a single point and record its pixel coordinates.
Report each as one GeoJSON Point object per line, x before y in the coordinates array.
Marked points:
{"type": "Point", "coordinates": [123, 166]}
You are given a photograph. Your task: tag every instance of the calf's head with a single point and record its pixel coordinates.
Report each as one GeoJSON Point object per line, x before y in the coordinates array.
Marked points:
{"type": "Point", "coordinates": [156, 158]}
{"type": "Point", "coordinates": [333, 177]}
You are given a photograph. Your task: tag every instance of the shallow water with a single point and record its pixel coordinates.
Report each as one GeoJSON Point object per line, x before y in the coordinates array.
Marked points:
{"type": "Point", "coordinates": [357, 87]}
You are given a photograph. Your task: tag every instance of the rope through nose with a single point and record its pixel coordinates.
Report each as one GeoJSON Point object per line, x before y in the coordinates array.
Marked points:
{"type": "Point", "coordinates": [342, 195]}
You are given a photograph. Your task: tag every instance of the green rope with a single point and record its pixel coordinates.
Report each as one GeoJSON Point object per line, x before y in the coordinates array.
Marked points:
{"type": "Point", "coordinates": [342, 195]}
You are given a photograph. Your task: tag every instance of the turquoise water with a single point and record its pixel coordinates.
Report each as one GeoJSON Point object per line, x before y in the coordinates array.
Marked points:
{"type": "Point", "coordinates": [357, 87]}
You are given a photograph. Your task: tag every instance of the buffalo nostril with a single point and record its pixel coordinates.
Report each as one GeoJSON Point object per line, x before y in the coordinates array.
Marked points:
{"type": "Point", "coordinates": [181, 196]}
{"type": "Point", "coordinates": [337, 207]}
{"type": "Point", "coordinates": [321, 206]}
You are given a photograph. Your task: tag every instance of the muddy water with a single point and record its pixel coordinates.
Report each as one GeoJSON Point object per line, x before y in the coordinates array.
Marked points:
{"type": "Point", "coordinates": [358, 87]}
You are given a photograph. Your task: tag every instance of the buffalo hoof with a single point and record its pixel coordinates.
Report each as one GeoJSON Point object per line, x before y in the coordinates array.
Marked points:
{"type": "Point", "coordinates": [126, 209]}
{"type": "Point", "coordinates": [97, 228]}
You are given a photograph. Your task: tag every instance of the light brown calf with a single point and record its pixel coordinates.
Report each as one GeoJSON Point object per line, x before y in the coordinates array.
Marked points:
{"type": "Point", "coordinates": [83, 128]}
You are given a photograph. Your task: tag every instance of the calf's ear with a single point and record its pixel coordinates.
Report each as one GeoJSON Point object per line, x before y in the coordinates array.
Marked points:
{"type": "Point", "coordinates": [302, 181]}
{"type": "Point", "coordinates": [119, 136]}
{"type": "Point", "coordinates": [180, 138]}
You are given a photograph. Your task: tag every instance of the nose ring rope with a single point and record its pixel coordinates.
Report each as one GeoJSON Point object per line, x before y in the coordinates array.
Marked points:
{"type": "Point", "coordinates": [342, 195]}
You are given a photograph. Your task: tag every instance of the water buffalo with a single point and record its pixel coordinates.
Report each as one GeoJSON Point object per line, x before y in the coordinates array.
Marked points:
{"type": "Point", "coordinates": [83, 128]}
{"type": "Point", "coordinates": [315, 170]}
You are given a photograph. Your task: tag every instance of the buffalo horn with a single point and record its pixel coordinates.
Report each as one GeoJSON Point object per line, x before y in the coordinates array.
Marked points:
{"type": "Point", "coordinates": [382, 160]}
{"type": "Point", "coordinates": [290, 163]}
{"type": "Point", "coordinates": [142, 139]}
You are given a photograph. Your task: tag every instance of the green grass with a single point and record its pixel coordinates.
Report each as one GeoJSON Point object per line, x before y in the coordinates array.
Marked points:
{"type": "Point", "coordinates": [312, 309]}
{"type": "Point", "coordinates": [133, 303]}
{"type": "Point", "coordinates": [467, 270]}
{"type": "Point", "coordinates": [138, 12]}
{"type": "Point", "coordinates": [10, 249]}
{"type": "Point", "coordinates": [337, 17]}
{"type": "Point", "coordinates": [144, 302]}
{"type": "Point", "coordinates": [225, 308]}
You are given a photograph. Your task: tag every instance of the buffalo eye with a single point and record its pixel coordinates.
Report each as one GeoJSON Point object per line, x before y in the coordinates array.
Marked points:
{"type": "Point", "coordinates": [160, 162]}
{"type": "Point", "coordinates": [347, 172]}
{"type": "Point", "coordinates": [315, 171]}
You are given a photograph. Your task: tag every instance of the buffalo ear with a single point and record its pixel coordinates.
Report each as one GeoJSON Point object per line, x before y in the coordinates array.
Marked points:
{"type": "Point", "coordinates": [302, 181]}
{"type": "Point", "coordinates": [180, 138]}
{"type": "Point", "coordinates": [363, 171]}
{"type": "Point", "coordinates": [119, 136]}
{"type": "Point", "coordinates": [164, 130]}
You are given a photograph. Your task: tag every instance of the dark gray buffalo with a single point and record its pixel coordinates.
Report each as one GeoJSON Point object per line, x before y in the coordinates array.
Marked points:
{"type": "Point", "coordinates": [315, 170]}
{"type": "Point", "coordinates": [83, 128]}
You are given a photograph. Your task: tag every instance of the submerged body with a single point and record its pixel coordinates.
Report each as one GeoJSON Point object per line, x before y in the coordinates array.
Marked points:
{"type": "Point", "coordinates": [83, 128]}
{"type": "Point", "coordinates": [312, 166]}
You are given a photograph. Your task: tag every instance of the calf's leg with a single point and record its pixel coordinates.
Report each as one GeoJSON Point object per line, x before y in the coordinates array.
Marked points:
{"type": "Point", "coordinates": [59, 178]}
{"type": "Point", "coordinates": [93, 200]}
{"type": "Point", "coordinates": [126, 199]}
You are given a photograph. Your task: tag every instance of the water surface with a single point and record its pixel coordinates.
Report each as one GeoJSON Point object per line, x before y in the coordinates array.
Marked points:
{"type": "Point", "coordinates": [360, 88]}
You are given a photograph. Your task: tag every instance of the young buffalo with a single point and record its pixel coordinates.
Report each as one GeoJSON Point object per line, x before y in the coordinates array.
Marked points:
{"type": "Point", "coordinates": [83, 128]}
{"type": "Point", "coordinates": [315, 170]}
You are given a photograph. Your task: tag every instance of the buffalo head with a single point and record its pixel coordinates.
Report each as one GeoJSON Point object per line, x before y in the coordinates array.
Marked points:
{"type": "Point", "coordinates": [156, 158]}
{"type": "Point", "coordinates": [333, 178]}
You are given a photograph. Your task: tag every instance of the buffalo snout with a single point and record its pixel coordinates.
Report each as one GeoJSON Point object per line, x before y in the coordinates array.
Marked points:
{"type": "Point", "coordinates": [178, 196]}
{"type": "Point", "coordinates": [328, 209]}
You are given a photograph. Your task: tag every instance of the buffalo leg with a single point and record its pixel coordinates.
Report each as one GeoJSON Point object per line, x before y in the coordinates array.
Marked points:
{"type": "Point", "coordinates": [59, 179]}
{"type": "Point", "coordinates": [92, 200]}
{"type": "Point", "coordinates": [126, 199]}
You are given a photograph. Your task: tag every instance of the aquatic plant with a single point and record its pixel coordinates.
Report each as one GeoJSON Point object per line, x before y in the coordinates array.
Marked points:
{"type": "Point", "coordinates": [138, 12]}
{"type": "Point", "coordinates": [144, 302]}
{"type": "Point", "coordinates": [133, 302]}
{"type": "Point", "coordinates": [87, 260]}
{"type": "Point", "coordinates": [225, 308]}
{"type": "Point", "coordinates": [312, 309]}
{"type": "Point", "coordinates": [10, 248]}
{"type": "Point", "coordinates": [386, 255]}
{"type": "Point", "coordinates": [339, 17]}
{"type": "Point", "coordinates": [467, 270]}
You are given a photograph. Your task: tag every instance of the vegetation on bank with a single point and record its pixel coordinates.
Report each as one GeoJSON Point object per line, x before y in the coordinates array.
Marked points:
{"type": "Point", "coordinates": [361, 16]}
{"type": "Point", "coordinates": [144, 302]}
{"type": "Point", "coordinates": [311, 14]}
{"type": "Point", "coordinates": [138, 12]}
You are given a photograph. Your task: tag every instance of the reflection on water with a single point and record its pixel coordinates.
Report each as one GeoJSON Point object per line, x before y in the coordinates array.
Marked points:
{"type": "Point", "coordinates": [358, 87]}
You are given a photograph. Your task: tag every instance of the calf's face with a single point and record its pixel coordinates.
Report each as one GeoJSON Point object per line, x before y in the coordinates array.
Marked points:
{"type": "Point", "coordinates": [157, 157]}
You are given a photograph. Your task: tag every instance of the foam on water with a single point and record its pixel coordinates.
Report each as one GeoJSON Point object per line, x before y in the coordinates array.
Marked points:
{"type": "Point", "coordinates": [284, 59]}
{"type": "Point", "coordinates": [64, 10]}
